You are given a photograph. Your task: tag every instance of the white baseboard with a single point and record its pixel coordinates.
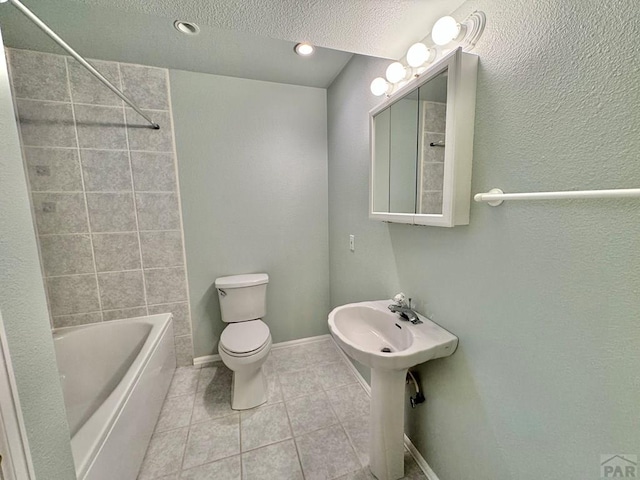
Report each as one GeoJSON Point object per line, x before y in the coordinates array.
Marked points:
{"type": "Point", "coordinates": [300, 341]}
{"type": "Point", "coordinates": [206, 359]}
{"type": "Point", "coordinates": [216, 358]}
{"type": "Point", "coordinates": [417, 456]}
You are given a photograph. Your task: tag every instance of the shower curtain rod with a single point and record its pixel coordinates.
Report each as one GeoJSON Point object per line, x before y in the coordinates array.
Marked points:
{"type": "Point", "coordinates": [54, 36]}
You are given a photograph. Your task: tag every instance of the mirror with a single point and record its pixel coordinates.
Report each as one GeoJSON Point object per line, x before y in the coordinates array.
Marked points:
{"type": "Point", "coordinates": [421, 146]}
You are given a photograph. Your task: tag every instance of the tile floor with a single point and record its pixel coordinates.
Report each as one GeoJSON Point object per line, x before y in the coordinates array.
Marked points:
{"type": "Point", "coordinates": [314, 425]}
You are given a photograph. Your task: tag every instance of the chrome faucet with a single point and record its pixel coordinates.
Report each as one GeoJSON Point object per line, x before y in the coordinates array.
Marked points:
{"type": "Point", "coordinates": [403, 308]}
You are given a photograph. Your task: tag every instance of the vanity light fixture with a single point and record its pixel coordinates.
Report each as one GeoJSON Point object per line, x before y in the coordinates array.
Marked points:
{"type": "Point", "coordinates": [396, 72]}
{"type": "Point", "coordinates": [466, 34]}
{"type": "Point", "coordinates": [188, 28]}
{"type": "Point", "coordinates": [447, 33]}
{"type": "Point", "coordinates": [380, 87]}
{"type": "Point", "coordinates": [419, 54]}
{"type": "Point", "coordinates": [304, 49]}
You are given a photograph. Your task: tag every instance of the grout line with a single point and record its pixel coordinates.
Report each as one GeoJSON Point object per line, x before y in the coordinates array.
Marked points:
{"type": "Point", "coordinates": [103, 233]}
{"type": "Point", "coordinates": [84, 193]}
{"type": "Point", "coordinates": [83, 104]}
{"type": "Point", "coordinates": [162, 152]}
{"type": "Point", "coordinates": [121, 271]}
{"type": "Point", "coordinates": [180, 216]}
{"type": "Point", "coordinates": [135, 200]}
{"type": "Point", "coordinates": [75, 192]}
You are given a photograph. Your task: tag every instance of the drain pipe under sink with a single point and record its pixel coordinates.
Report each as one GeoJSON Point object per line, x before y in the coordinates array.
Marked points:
{"type": "Point", "coordinates": [419, 396]}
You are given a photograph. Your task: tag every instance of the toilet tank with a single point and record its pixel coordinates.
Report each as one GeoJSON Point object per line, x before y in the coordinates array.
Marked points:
{"type": "Point", "coordinates": [242, 297]}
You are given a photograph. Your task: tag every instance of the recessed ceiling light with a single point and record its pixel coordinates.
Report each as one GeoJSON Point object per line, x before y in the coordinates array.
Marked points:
{"type": "Point", "coordinates": [187, 28]}
{"type": "Point", "coordinates": [304, 49]}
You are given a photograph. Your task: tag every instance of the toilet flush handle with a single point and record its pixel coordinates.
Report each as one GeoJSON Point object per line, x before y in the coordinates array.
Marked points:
{"type": "Point", "coordinates": [222, 292]}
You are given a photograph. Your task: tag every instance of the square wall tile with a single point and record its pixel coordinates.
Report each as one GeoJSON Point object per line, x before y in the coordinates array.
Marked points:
{"type": "Point", "coordinates": [85, 88]}
{"type": "Point", "coordinates": [106, 170]}
{"type": "Point", "coordinates": [39, 76]}
{"type": "Point", "coordinates": [100, 127]}
{"type": "Point", "coordinates": [124, 313]}
{"type": "Point", "coordinates": [60, 213]}
{"type": "Point", "coordinates": [116, 251]}
{"type": "Point", "coordinates": [435, 115]}
{"type": "Point", "coordinates": [184, 350]}
{"type": "Point", "coordinates": [432, 154]}
{"type": "Point", "coordinates": [147, 86]}
{"type": "Point", "coordinates": [158, 211]}
{"type": "Point", "coordinates": [432, 176]}
{"type": "Point", "coordinates": [144, 138]}
{"type": "Point", "coordinates": [74, 294]}
{"type": "Point", "coordinates": [121, 289]}
{"type": "Point", "coordinates": [153, 172]}
{"type": "Point", "coordinates": [431, 202]}
{"type": "Point", "coordinates": [66, 254]}
{"type": "Point", "coordinates": [111, 212]}
{"type": "Point", "coordinates": [79, 319]}
{"type": "Point", "coordinates": [161, 249]}
{"type": "Point", "coordinates": [53, 169]}
{"type": "Point", "coordinates": [180, 311]}
{"type": "Point", "coordinates": [45, 124]}
{"type": "Point", "coordinates": [165, 285]}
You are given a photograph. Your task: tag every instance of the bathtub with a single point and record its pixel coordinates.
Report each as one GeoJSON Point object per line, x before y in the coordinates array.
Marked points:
{"type": "Point", "coordinates": [115, 376]}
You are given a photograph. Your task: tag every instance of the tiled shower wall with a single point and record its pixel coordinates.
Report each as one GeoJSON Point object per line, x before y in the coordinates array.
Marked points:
{"type": "Point", "coordinates": [104, 191]}
{"type": "Point", "coordinates": [432, 158]}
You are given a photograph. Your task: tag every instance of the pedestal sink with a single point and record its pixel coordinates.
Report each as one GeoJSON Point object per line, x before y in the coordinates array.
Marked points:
{"type": "Point", "coordinates": [369, 333]}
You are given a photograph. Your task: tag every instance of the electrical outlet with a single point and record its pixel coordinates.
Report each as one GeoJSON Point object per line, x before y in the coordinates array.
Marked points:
{"type": "Point", "coordinates": [352, 243]}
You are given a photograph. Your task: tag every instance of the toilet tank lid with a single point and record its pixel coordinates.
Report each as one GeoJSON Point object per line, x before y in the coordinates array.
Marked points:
{"type": "Point", "coordinates": [237, 281]}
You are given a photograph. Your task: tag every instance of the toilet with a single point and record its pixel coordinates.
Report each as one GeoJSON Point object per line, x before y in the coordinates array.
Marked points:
{"type": "Point", "coordinates": [245, 342]}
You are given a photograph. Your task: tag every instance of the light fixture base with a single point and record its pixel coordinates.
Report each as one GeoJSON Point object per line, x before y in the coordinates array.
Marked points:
{"type": "Point", "coordinates": [474, 24]}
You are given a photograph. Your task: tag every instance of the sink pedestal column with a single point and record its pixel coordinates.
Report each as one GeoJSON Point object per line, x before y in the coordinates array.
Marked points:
{"type": "Point", "coordinates": [386, 436]}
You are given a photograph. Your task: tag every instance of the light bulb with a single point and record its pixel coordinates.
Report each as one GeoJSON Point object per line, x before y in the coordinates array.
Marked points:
{"type": "Point", "coordinates": [379, 86]}
{"type": "Point", "coordinates": [304, 49]}
{"type": "Point", "coordinates": [396, 72]}
{"type": "Point", "coordinates": [418, 54]}
{"type": "Point", "coordinates": [445, 30]}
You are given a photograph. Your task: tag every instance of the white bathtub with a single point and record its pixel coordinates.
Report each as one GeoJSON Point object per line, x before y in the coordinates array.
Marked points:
{"type": "Point", "coordinates": [114, 377]}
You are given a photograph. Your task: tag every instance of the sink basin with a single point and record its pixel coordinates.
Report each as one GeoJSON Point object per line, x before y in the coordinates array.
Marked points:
{"type": "Point", "coordinates": [376, 337]}
{"type": "Point", "coordinates": [366, 330]}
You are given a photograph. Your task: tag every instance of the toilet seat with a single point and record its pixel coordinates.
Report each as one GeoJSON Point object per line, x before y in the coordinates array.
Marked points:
{"type": "Point", "coordinates": [244, 338]}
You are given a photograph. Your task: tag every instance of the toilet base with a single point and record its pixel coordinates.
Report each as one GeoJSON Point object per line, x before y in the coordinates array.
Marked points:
{"type": "Point", "coordinates": [248, 389]}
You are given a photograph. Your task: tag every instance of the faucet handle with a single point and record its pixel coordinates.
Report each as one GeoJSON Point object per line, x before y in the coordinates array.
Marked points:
{"type": "Point", "coordinates": [400, 299]}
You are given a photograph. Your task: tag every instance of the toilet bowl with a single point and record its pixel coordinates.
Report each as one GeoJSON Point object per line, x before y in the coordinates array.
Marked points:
{"type": "Point", "coordinates": [245, 342]}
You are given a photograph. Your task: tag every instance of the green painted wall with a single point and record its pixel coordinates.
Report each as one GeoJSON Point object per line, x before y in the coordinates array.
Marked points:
{"type": "Point", "coordinates": [252, 161]}
{"type": "Point", "coordinates": [543, 295]}
{"type": "Point", "coordinates": [24, 309]}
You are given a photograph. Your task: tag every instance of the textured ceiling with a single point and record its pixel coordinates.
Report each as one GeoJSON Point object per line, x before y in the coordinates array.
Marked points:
{"type": "Point", "coordinates": [382, 28]}
{"type": "Point", "coordinates": [241, 38]}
